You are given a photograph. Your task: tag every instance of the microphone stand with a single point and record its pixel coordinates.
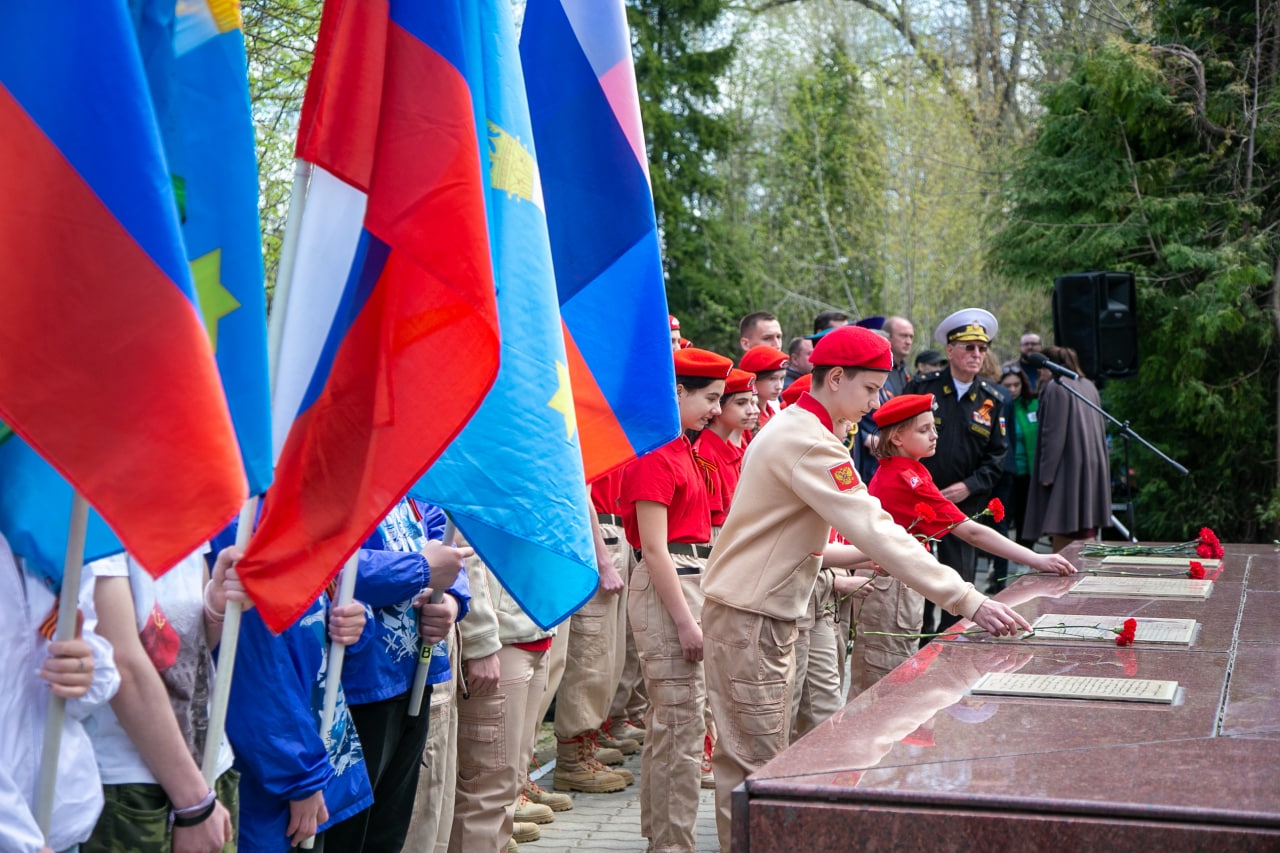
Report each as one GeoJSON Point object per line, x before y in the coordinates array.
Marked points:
{"type": "Point", "coordinates": [1126, 432]}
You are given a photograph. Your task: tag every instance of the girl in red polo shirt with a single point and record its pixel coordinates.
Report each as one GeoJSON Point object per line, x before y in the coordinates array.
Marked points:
{"type": "Point", "coordinates": [719, 447]}
{"type": "Point", "coordinates": [769, 364]}
{"type": "Point", "coordinates": [666, 513]}
{"type": "Point", "coordinates": [907, 492]}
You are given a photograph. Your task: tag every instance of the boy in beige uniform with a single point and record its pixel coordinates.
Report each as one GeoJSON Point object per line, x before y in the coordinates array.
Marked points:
{"type": "Point", "coordinates": [798, 482]}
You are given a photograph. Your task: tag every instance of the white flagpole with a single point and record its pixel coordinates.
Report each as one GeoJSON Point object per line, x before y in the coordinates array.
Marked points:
{"type": "Point", "coordinates": [68, 603]}
{"type": "Point", "coordinates": [333, 673]}
{"type": "Point", "coordinates": [249, 512]}
{"type": "Point", "coordinates": [226, 660]}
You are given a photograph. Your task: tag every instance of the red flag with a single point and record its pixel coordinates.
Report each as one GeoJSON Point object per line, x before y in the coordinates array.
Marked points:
{"type": "Point", "coordinates": [391, 340]}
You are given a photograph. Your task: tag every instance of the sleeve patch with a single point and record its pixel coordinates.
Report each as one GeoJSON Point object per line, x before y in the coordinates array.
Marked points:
{"type": "Point", "coordinates": [844, 476]}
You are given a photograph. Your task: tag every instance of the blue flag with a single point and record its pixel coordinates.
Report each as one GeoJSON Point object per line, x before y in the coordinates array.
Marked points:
{"type": "Point", "coordinates": [604, 235]}
{"type": "Point", "coordinates": [513, 479]}
{"type": "Point", "coordinates": [196, 73]}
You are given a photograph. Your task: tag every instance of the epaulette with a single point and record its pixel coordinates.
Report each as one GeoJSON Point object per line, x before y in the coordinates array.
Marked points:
{"type": "Point", "coordinates": [929, 377]}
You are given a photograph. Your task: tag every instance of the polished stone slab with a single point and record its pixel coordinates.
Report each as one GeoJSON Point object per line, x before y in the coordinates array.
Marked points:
{"type": "Point", "coordinates": [918, 762]}
{"type": "Point", "coordinates": [1251, 707]}
{"type": "Point", "coordinates": [1261, 621]}
{"type": "Point", "coordinates": [1035, 595]}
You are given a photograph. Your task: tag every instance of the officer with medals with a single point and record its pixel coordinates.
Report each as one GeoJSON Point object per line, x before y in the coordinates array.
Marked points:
{"type": "Point", "coordinates": [971, 432]}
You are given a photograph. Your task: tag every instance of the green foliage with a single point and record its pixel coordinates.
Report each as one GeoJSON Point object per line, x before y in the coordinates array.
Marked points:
{"type": "Point", "coordinates": [280, 36]}
{"type": "Point", "coordinates": [1133, 170]}
{"type": "Point", "coordinates": [822, 189]}
{"type": "Point", "coordinates": [681, 49]}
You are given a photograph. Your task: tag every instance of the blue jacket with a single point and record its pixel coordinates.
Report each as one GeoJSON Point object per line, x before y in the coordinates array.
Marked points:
{"type": "Point", "coordinates": [391, 572]}
{"type": "Point", "coordinates": [273, 721]}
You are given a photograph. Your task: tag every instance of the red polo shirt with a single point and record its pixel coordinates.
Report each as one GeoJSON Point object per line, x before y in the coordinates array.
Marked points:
{"type": "Point", "coordinates": [669, 476]}
{"type": "Point", "coordinates": [902, 482]}
{"type": "Point", "coordinates": [723, 462]}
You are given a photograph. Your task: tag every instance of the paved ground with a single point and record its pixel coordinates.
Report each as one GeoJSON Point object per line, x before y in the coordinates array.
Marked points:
{"type": "Point", "coordinates": [611, 822]}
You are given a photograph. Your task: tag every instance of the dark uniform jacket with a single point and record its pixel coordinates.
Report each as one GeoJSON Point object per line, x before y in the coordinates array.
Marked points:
{"type": "Point", "coordinates": [971, 435]}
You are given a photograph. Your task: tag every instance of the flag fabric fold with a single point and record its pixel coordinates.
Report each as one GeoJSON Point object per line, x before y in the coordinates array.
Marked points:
{"type": "Point", "coordinates": [105, 366]}
{"type": "Point", "coordinates": [513, 479]}
{"type": "Point", "coordinates": [585, 114]}
{"type": "Point", "coordinates": [390, 337]}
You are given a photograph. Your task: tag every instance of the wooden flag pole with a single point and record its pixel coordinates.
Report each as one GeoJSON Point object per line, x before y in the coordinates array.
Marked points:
{"type": "Point", "coordinates": [68, 603]}
{"type": "Point", "coordinates": [249, 512]}
{"type": "Point", "coordinates": [226, 659]}
{"type": "Point", "coordinates": [333, 672]}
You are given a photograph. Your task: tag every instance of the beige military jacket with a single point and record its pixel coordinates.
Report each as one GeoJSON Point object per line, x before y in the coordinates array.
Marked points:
{"type": "Point", "coordinates": [797, 483]}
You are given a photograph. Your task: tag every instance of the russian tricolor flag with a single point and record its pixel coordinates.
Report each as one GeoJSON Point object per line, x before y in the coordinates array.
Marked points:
{"type": "Point", "coordinates": [390, 339]}
{"type": "Point", "coordinates": [604, 238]}
{"type": "Point", "coordinates": [513, 479]}
{"type": "Point", "coordinates": [105, 365]}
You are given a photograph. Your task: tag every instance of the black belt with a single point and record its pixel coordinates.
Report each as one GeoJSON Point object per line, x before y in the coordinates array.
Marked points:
{"type": "Point", "coordinates": [687, 550]}
{"type": "Point", "coordinates": [606, 518]}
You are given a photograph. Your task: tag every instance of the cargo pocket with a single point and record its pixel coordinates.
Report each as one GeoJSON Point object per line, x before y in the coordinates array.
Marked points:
{"type": "Point", "coordinates": [482, 746]}
{"type": "Point", "coordinates": [586, 635]}
{"type": "Point", "coordinates": [670, 684]}
{"type": "Point", "coordinates": [638, 601]}
{"type": "Point", "coordinates": [908, 608]}
{"type": "Point", "coordinates": [760, 715]}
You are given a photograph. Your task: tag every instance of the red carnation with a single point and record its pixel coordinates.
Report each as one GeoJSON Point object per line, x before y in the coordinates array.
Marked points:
{"type": "Point", "coordinates": [996, 508]}
{"type": "Point", "coordinates": [1127, 633]}
{"type": "Point", "coordinates": [1209, 546]}
{"type": "Point", "coordinates": [925, 512]}
{"type": "Point", "coordinates": [1196, 570]}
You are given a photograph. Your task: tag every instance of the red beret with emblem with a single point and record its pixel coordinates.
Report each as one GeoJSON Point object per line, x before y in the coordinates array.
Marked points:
{"type": "Point", "coordinates": [902, 407]}
{"type": "Point", "coordinates": [675, 324]}
{"type": "Point", "coordinates": [793, 391]}
{"type": "Point", "coordinates": [739, 381]}
{"type": "Point", "coordinates": [699, 362]}
{"type": "Point", "coordinates": [762, 359]}
{"type": "Point", "coordinates": [852, 346]}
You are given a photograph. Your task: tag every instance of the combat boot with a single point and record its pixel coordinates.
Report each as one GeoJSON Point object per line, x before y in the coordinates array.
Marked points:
{"type": "Point", "coordinates": [527, 811]}
{"type": "Point", "coordinates": [607, 739]}
{"type": "Point", "coordinates": [577, 769]}
{"type": "Point", "coordinates": [556, 802]}
{"type": "Point", "coordinates": [622, 728]}
{"type": "Point", "coordinates": [522, 833]}
{"type": "Point", "coordinates": [608, 759]}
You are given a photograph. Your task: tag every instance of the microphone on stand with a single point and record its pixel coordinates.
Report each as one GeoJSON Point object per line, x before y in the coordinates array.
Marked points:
{"type": "Point", "coordinates": [1037, 359]}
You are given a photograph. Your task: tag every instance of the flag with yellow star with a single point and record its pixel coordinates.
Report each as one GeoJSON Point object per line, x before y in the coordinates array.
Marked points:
{"type": "Point", "coordinates": [196, 67]}
{"type": "Point", "coordinates": [513, 479]}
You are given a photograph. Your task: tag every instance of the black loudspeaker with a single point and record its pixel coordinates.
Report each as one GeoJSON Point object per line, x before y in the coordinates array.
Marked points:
{"type": "Point", "coordinates": [1096, 314]}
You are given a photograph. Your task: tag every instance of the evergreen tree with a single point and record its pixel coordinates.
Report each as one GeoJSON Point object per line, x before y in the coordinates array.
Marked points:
{"type": "Point", "coordinates": [1161, 156]}
{"type": "Point", "coordinates": [681, 48]}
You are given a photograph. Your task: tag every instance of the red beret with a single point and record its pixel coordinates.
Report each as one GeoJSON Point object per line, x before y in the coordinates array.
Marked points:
{"type": "Point", "coordinates": [902, 407]}
{"type": "Point", "coordinates": [675, 324]}
{"type": "Point", "coordinates": [793, 391]}
{"type": "Point", "coordinates": [739, 381]}
{"type": "Point", "coordinates": [699, 362]}
{"type": "Point", "coordinates": [852, 346]}
{"type": "Point", "coordinates": [762, 359]}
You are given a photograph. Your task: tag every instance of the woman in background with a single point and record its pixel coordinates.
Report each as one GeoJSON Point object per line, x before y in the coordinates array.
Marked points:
{"type": "Point", "coordinates": [1070, 495]}
{"type": "Point", "coordinates": [1023, 432]}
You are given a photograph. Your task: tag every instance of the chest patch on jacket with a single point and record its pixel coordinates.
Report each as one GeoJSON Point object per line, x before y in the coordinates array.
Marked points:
{"type": "Point", "coordinates": [844, 476]}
